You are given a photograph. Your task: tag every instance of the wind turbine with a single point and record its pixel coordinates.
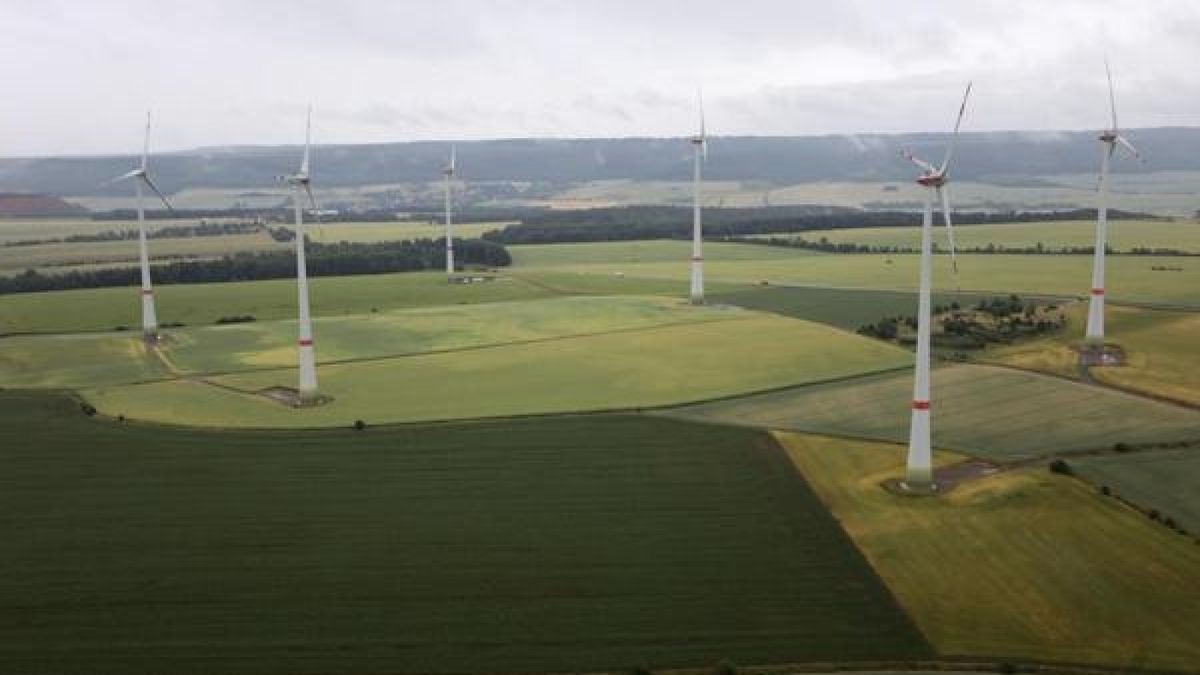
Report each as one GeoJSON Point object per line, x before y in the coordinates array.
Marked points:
{"type": "Point", "coordinates": [142, 178]}
{"type": "Point", "coordinates": [699, 155]}
{"type": "Point", "coordinates": [302, 185]}
{"type": "Point", "coordinates": [1110, 138]}
{"type": "Point", "coordinates": [919, 475]}
{"type": "Point", "coordinates": [448, 174]}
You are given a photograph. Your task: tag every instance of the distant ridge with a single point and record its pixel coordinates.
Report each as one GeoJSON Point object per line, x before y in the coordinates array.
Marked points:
{"type": "Point", "coordinates": [23, 205]}
{"type": "Point", "coordinates": [1006, 157]}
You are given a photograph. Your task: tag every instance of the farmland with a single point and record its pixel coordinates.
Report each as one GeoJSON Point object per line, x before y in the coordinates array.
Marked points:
{"type": "Point", "coordinates": [1160, 351]}
{"type": "Point", "coordinates": [575, 544]}
{"type": "Point", "coordinates": [1021, 564]}
{"type": "Point", "coordinates": [1131, 279]}
{"type": "Point", "coordinates": [1123, 235]}
{"type": "Point", "coordinates": [1164, 480]}
{"type": "Point", "coordinates": [996, 413]}
{"type": "Point", "coordinates": [653, 366]}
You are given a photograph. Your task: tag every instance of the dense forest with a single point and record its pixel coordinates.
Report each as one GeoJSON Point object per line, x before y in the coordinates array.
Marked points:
{"type": "Point", "coordinates": [669, 222]}
{"type": "Point", "coordinates": [323, 260]}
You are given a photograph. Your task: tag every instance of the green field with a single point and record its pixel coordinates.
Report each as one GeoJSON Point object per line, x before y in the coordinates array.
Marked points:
{"type": "Point", "coordinates": [394, 231]}
{"type": "Point", "coordinates": [106, 308]}
{"type": "Point", "coordinates": [15, 259]}
{"type": "Point", "coordinates": [1021, 564]}
{"type": "Point", "coordinates": [1130, 278]}
{"type": "Point", "coordinates": [569, 545]}
{"type": "Point", "coordinates": [651, 251]}
{"type": "Point", "coordinates": [1161, 352]}
{"type": "Point", "coordinates": [993, 412]}
{"type": "Point", "coordinates": [1163, 479]}
{"type": "Point", "coordinates": [653, 366]}
{"type": "Point", "coordinates": [1123, 235]}
{"type": "Point", "coordinates": [841, 307]}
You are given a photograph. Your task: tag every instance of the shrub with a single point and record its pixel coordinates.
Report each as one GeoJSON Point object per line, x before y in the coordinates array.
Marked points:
{"type": "Point", "coordinates": [88, 409]}
{"type": "Point", "coordinates": [1104, 490]}
{"type": "Point", "coordinates": [1122, 447]}
{"type": "Point", "coordinates": [237, 318]}
{"type": "Point", "coordinates": [641, 669]}
{"type": "Point", "coordinates": [360, 425]}
{"type": "Point", "coordinates": [1061, 466]}
{"type": "Point", "coordinates": [1153, 514]}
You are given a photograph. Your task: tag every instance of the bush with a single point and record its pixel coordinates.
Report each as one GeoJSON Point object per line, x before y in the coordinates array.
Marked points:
{"type": "Point", "coordinates": [237, 318]}
{"type": "Point", "coordinates": [1006, 668]}
{"type": "Point", "coordinates": [1153, 514]}
{"type": "Point", "coordinates": [1104, 490]}
{"type": "Point", "coordinates": [1061, 466]}
{"type": "Point", "coordinates": [1122, 447]}
{"type": "Point", "coordinates": [360, 425]}
{"type": "Point", "coordinates": [641, 669]}
{"type": "Point", "coordinates": [88, 409]}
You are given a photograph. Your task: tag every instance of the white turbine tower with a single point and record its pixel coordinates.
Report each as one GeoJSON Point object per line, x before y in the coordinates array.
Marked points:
{"type": "Point", "coordinates": [1109, 139]}
{"type": "Point", "coordinates": [142, 179]}
{"type": "Point", "coordinates": [301, 184]}
{"type": "Point", "coordinates": [934, 179]}
{"type": "Point", "coordinates": [448, 175]}
{"type": "Point", "coordinates": [699, 155]}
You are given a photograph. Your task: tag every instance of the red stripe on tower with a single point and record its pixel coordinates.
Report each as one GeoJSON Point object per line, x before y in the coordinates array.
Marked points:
{"type": "Point", "coordinates": [694, 259]}
{"type": "Point", "coordinates": [920, 405]}
{"type": "Point", "coordinates": [306, 343]}
{"type": "Point", "coordinates": [1097, 291]}
{"type": "Point", "coordinates": [147, 292]}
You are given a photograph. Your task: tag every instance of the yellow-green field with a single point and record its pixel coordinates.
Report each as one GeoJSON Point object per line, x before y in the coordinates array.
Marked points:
{"type": "Point", "coordinates": [1020, 564]}
{"type": "Point", "coordinates": [739, 352]}
{"type": "Point", "coordinates": [999, 413]}
{"type": "Point", "coordinates": [673, 251]}
{"type": "Point", "coordinates": [392, 231]}
{"type": "Point", "coordinates": [1161, 350]}
{"type": "Point", "coordinates": [1123, 235]}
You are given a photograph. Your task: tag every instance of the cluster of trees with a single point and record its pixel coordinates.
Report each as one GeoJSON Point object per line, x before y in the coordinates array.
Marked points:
{"type": "Point", "coordinates": [670, 222]}
{"type": "Point", "coordinates": [991, 320]}
{"type": "Point", "coordinates": [323, 260]}
{"type": "Point", "coordinates": [168, 232]}
{"type": "Point", "coordinates": [824, 245]}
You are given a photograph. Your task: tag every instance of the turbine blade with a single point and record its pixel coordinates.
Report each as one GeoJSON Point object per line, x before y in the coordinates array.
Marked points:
{"type": "Point", "coordinates": [146, 143]}
{"type": "Point", "coordinates": [957, 123]}
{"type": "Point", "coordinates": [1112, 99]}
{"type": "Point", "coordinates": [311, 199]}
{"type": "Point", "coordinates": [944, 195]}
{"type": "Point", "coordinates": [1124, 143]}
{"type": "Point", "coordinates": [703, 128]}
{"type": "Point", "coordinates": [122, 177]}
{"type": "Point", "coordinates": [154, 188]}
{"type": "Point", "coordinates": [452, 159]}
{"type": "Point", "coordinates": [924, 166]}
{"type": "Point", "coordinates": [307, 140]}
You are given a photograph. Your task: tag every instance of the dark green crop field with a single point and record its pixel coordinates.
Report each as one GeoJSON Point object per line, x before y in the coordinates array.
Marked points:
{"type": "Point", "coordinates": [841, 307]}
{"type": "Point", "coordinates": [572, 543]}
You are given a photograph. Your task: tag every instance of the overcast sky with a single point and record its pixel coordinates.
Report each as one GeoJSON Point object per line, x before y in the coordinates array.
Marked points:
{"type": "Point", "coordinates": [78, 75]}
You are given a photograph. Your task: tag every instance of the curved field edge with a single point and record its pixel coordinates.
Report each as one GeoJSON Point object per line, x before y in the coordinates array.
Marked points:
{"type": "Point", "coordinates": [1024, 564]}
{"type": "Point", "coordinates": [551, 545]}
{"type": "Point", "coordinates": [648, 368]}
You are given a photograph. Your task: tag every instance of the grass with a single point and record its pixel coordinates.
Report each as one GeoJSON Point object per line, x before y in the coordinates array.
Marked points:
{"type": "Point", "coordinates": [649, 367]}
{"type": "Point", "coordinates": [1163, 479]}
{"type": "Point", "coordinates": [422, 330]}
{"type": "Point", "coordinates": [841, 307]}
{"type": "Point", "coordinates": [393, 231]}
{"type": "Point", "coordinates": [1130, 278]}
{"type": "Point", "coordinates": [1160, 349]}
{"type": "Point", "coordinates": [1021, 564]}
{"type": "Point", "coordinates": [80, 360]}
{"type": "Point", "coordinates": [15, 259]}
{"type": "Point", "coordinates": [997, 413]}
{"type": "Point", "coordinates": [568, 545]}
{"type": "Point", "coordinates": [105, 308]}
{"type": "Point", "coordinates": [650, 251]}
{"type": "Point", "coordinates": [1123, 235]}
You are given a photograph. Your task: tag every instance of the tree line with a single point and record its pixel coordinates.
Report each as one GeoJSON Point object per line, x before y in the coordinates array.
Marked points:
{"type": "Point", "coordinates": [825, 246]}
{"type": "Point", "coordinates": [670, 222]}
{"type": "Point", "coordinates": [340, 259]}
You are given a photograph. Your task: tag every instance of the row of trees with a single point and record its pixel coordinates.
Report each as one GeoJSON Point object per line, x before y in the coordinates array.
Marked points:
{"type": "Point", "coordinates": [824, 245]}
{"type": "Point", "coordinates": [323, 260]}
{"type": "Point", "coordinates": [670, 222]}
